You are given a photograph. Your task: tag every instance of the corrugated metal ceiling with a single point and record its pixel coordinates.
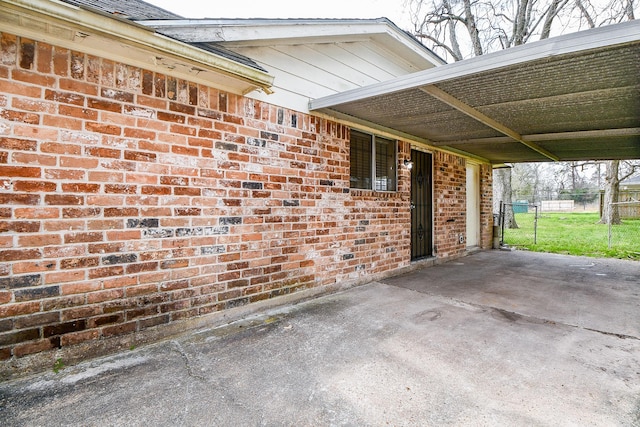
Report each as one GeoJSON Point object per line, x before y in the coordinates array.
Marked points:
{"type": "Point", "coordinates": [575, 98]}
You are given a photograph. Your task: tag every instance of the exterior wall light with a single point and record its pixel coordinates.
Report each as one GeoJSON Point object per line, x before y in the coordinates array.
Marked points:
{"type": "Point", "coordinates": [408, 164]}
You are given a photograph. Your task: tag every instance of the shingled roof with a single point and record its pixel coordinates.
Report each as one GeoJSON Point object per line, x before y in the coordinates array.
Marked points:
{"type": "Point", "coordinates": [134, 10]}
{"type": "Point", "coordinates": [138, 10]}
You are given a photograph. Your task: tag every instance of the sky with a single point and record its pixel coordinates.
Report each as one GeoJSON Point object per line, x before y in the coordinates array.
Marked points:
{"type": "Point", "coordinates": [392, 9]}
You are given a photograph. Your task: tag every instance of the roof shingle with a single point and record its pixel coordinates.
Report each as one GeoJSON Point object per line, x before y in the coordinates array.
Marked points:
{"type": "Point", "coordinates": [138, 10]}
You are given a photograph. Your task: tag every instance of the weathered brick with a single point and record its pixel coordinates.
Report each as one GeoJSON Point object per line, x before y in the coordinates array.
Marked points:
{"type": "Point", "coordinates": [140, 156]}
{"type": "Point", "coordinates": [104, 152]}
{"type": "Point", "coordinates": [147, 82]}
{"type": "Point", "coordinates": [97, 322]}
{"type": "Point", "coordinates": [174, 263]}
{"type": "Point", "coordinates": [34, 186]}
{"type": "Point", "coordinates": [121, 212]}
{"type": "Point", "coordinates": [63, 199]}
{"type": "Point", "coordinates": [78, 337]}
{"type": "Point", "coordinates": [170, 117]}
{"type": "Point", "coordinates": [20, 116]}
{"type": "Point", "coordinates": [19, 309]}
{"type": "Point", "coordinates": [64, 97]}
{"type": "Point", "coordinates": [188, 211]}
{"type": "Point", "coordinates": [97, 273]}
{"type": "Point", "coordinates": [117, 95]}
{"type": "Point", "coordinates": [32, 78]}
{"type": "Point", "coordinates": [155, 321]}
{"type": "Point", "coordinates": [103, 128]}
{"type": "Point", "coordinates": [19, 199]}
{"type": "Point", "coordinates": [78, 86]}
{"type": "Point", "coordinates": [19, 336]}
{"type": "Point", "coordinates": [64, 328]}
{"type": "Point", "coordinates": [18, 144]}
{"type": "Point", "coordinates": [82, 237]}
{"type": "Point", "coordinates": [39, 319]}
{"type": "Point", "coordinates": [102, 296]}
{"type": "Point", "coordinates": [119, 259]}
{"type": "Point", "coordinates": [30, 294]}
{"type": "Point", "coordinates": [143, 223]}
{"type": "Point", "coordinates": [141, 267]}
{"type": "Point", "coordinates": [20, 171]}
{"type": "Point", "coordinates": [19, 226]}
{"type": "Point", "coordinates": [64, 302]}
{"type": "Point", "coordinates": [120, 189]}
{"type": "Point", "coordinates": [35, 347]}
{"type": "Point", "coordinates": [80, 313]}
{"type": "Point", "coordinates": [5, 297]}
{"type": "Point", "coordinates": [84, 262]}
{"type": "Point", "coordinates": [124, 328]}
{"type": "Point", "coordinates": [80, 212]}
{"type": "Point", "coordinates": [20, 254]}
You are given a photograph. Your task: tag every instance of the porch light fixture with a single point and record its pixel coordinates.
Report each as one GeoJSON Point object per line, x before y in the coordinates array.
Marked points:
{"type": "Point", "coordinates": [408, 164]}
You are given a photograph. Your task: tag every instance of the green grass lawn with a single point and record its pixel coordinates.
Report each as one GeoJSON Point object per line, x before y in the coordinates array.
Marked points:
{"type": "Point", "coordinates": [575, 234]}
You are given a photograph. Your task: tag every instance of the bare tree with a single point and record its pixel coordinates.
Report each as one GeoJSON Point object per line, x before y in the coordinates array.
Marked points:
{"type": "Point", "coordinates": [458, 29]}
{"type": "Point", "coordinates": [463, 28]}
{"type": "Point", "coordinates": [593, 16]}
{"type": "Point", "coordinates": [617, 171]}
{"type": "Point", "coordinates": [485, 26]}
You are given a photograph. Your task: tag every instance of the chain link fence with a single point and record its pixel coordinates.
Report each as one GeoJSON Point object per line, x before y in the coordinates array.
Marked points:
{"type": "Point", "coordinates": [577, 232]}
{"type": "Point", "coordinates": [626, 235]}
{"type": "Point", "coordinates": [518, 224]}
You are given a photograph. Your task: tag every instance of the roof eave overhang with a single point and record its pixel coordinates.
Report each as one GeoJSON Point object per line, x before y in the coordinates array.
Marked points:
{"type": "Point", "coordinates": [365, 103]}
{"type": "Point", "coordinates": [267, 32]}
{"type": "Point", "coordinates": [562, 45]}
{"type": "Point", "coordinates": [118, 39]}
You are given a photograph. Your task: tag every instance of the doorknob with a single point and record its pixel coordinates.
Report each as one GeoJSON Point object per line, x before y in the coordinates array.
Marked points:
{"type": "Point", "coordinates": [413, 206]}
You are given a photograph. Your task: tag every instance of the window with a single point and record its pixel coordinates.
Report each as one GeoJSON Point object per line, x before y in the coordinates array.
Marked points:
{"type": "Point", "coordinates": [373, 162]}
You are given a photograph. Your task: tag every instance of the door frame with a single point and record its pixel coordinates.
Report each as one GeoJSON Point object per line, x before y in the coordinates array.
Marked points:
{"type": "Point", "coordinates": [428, 215]}
{"type": "Point", "coordinates": [472, 212]}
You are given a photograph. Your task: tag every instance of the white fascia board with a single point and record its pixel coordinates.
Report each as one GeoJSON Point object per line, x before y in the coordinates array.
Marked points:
{"type": "Point", "coordinates": [115, 28]}
{"type": "Point", "coordinates": [598, 38]}
{"type": "Point", "coordinates": [266, 32]}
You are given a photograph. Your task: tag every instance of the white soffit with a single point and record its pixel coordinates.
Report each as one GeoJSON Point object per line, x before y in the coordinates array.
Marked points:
{"type": "Point", "coordinates": [573, 97]}
{"type": "Point", "coordinates": [233, 33]}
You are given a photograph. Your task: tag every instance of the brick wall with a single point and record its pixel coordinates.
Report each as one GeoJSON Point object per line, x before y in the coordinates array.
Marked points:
{"type": "Point", "coordinates": [130, 199]}
{"type": "Point", "coordinates": [449, 190]}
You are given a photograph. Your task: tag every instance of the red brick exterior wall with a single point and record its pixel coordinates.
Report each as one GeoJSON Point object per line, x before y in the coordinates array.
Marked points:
{"type": "Point", "coordinates": [449, 192]}
{"type": "Point", "coordinates": [130, 199]}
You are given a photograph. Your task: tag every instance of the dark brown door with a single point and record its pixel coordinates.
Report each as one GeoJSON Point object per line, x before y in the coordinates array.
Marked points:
{"type": "Point", "coordinates": [421, 205]}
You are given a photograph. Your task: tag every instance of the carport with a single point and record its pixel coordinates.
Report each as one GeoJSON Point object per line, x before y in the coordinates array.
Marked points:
{"type": "Point", "coordinates": [495, 338]}
{"type": "Point", "coordinates": [574, 97]}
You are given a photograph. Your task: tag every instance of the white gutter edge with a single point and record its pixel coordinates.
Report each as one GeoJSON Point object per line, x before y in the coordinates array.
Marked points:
{"type": "Point", "coordinates": [221, 30]}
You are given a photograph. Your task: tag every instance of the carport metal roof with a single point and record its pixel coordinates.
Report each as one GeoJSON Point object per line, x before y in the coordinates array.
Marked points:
{"type": "Point", "coordinates": [573, 97]}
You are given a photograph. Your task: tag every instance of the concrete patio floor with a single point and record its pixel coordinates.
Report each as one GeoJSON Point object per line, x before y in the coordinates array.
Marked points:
{"type": "Point", "coordinates": [495, 338]}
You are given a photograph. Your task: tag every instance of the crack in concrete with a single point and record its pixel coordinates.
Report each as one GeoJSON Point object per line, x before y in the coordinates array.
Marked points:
{"type": "Point", "coordinates": [621, 336]}
{"type": "Point", "coordinates": [513, 316]}
{"type": "Point", "coordinates": [187, 362]}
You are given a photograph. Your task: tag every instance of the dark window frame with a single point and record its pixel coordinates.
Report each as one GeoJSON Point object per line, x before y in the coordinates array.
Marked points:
{"type": "Point", "coordinates": [366, 162]}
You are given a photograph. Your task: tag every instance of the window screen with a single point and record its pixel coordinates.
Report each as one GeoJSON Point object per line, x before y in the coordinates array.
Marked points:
{"type": "Point", "coordinates": [385, 165]}
{"type": "Point", "coordinates": [367, 174]}
{"type": "Point", "coordinates": [360, 160]}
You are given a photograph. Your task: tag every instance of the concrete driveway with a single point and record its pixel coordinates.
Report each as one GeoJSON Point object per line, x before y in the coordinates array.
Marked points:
{"type": "Point", "coordinates": [496, 338]}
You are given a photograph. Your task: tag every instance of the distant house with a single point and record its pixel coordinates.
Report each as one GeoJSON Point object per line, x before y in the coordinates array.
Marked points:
{"type": "Point", "coordinates": [630, 184]}
{"type": "Point", "coordinates": [630, 197]}
{"type": "Point", "coordinates": [159, 173]}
